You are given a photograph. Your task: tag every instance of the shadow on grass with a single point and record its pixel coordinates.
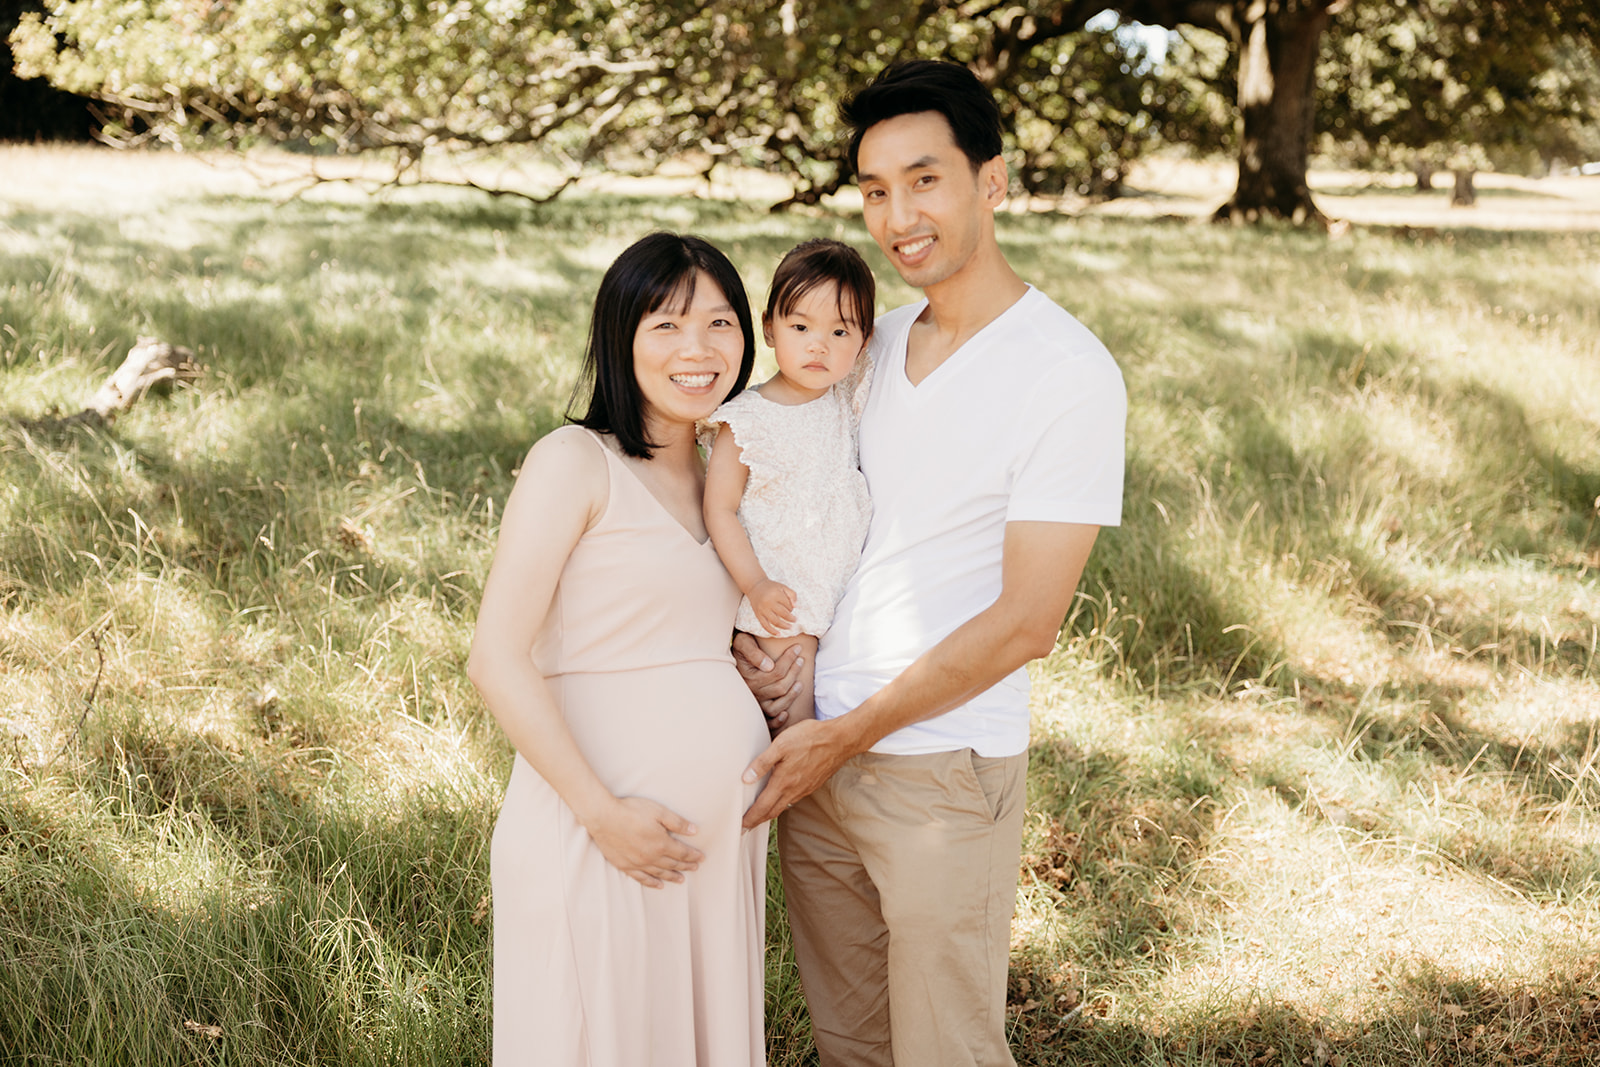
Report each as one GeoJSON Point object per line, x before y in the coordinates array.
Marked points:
{"type": "Point", "coordinates": [1250, 485]}
{"type": "Point", "coordinates": [1110, 844]}
{"type": "Point", "coordinates": [1114, 848]}
{"type": "Point", "coordinates": [1441, 192]}
{"type": "Point", "coordinates": [1165, 610]}
{"type": "Point", "coordinates": [367, 947]}
{"type": "Point", "coordinates": [1496, 419]}
{"type": "Point", "coordinates": [1476, 238]}
{"type": "Point", "coordinates": [252, 291]}
{"type": "Point", "coordinates": [326, 425]}
{"type": "Point", "coordinates": [260, 522]}
{"type": "Point", "coordinates": [1459, 1021]}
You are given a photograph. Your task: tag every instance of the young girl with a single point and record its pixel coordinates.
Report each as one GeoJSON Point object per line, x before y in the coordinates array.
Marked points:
{"type": "Point", "coordinates": [786, 504]}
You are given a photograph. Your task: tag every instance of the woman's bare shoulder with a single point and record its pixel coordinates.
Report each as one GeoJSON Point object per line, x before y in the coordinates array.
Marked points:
{"type": "Point", "coordinates": [569, 461]}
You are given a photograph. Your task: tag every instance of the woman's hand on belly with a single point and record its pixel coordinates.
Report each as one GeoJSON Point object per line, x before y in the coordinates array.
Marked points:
{"type": "Point", "coordinates": [639, 838]}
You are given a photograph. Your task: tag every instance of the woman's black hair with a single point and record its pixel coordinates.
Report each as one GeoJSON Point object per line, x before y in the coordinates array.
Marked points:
{"type": "Point", "coordinates": [913, 86]}
{"type": "Point", "coordinates": [652, 272]}
{"type": "Point", "coordinates": [810, 264]}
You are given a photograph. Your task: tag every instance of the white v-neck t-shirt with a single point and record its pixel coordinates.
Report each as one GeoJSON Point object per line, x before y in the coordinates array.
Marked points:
{"type": "Point", "coordinates": [1022, 423]}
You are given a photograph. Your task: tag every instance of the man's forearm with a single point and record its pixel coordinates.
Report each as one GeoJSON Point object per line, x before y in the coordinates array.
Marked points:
{"type": "Point", "coordinates": [1040, 570]}
{"type": "Point", "coordinates": [976, 656]}
{"type": "Point", "coordinates": [1043, 562]}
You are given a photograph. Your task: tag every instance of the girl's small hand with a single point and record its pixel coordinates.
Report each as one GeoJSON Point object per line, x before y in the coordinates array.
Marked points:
{"type": "Point", "coordinates": [773, 602]}
{"type": "Point", "coordinates": [636, 836]}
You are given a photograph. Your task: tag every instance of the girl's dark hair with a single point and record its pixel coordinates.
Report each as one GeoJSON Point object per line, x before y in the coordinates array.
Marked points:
{"type": "Point", "coordinates": [810, 264]}
{"type": "Point", "coordinates": [918, 85]}
{"type": "Point", "coordinates": [653, 271]}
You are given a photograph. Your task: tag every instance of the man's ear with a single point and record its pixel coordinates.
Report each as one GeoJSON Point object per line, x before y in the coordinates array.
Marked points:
{"type": "Point", "coordinates": [993, 181]}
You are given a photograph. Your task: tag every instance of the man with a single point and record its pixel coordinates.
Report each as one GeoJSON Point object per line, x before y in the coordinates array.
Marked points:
{"type": "Point", "coordinates": [992, 444]}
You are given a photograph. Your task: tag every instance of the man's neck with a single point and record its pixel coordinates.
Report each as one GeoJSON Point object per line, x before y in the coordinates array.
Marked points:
{"type": "Point", "coordinates": [970, 299]}
{"type": "Point", "coordinates": [958, 308]}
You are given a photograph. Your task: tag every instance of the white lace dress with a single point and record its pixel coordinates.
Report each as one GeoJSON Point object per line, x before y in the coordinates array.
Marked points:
{"type": "Point", "coordinates": [805, 506]}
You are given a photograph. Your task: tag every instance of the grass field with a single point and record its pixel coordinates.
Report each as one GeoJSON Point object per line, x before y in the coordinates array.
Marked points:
{"type": "Point", "coordinates": [1315, 775]}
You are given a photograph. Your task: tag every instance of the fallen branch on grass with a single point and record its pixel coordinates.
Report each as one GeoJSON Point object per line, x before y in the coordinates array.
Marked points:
{"type": "Point", "coordinates": [150, 363]}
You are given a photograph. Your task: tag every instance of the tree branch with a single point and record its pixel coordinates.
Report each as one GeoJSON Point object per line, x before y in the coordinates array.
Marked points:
{"type": "Point", "coordinates": [1218, 15]}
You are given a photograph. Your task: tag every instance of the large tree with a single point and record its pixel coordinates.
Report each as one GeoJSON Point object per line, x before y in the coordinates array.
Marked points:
{"type": "Point", "coordinates": [1500, 75]}
{"type": "Point", "coordinates": [1276, 44]}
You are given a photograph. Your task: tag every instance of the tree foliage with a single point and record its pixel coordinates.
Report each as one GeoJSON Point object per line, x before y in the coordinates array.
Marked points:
{"type": "Point", "coordinates": [598, 84]}
{"type": "Point", "coordinates": [32, 109]}
{"type": "Point", "coordinates": [360, 75]}
{"type": "Point", "coordinates": [1464, 84]}
{"type": "Point", "coordinates": [1085, 108]}
{"type": "Point", "coordinates": [603, 84]}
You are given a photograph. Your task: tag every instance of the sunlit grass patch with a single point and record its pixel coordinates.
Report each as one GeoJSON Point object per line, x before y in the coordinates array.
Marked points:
{"type": "Point", "coordinates": [1315, 765]}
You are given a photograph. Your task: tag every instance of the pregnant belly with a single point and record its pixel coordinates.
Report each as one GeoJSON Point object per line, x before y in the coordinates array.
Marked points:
{"type": "Point", "coordinates": [680, 734]}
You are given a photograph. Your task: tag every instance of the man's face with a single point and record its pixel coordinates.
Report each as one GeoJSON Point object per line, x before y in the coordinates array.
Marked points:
{"type": "Point", "coordinates": [921, 200]}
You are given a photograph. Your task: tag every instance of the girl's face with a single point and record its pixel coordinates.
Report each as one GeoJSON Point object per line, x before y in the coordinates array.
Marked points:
{"type": "Point", "coordinates": [686, 356]}
{"type": "Point", "coordinates": [815, 344]}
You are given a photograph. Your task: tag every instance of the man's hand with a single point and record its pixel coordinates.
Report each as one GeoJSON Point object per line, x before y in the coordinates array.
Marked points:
{"type": "Point", "coordinates": [774, 685]}
{"type": "Point", "coordinates": [774, 603]}
{"type": "Point", "coordinates": [800, 759]}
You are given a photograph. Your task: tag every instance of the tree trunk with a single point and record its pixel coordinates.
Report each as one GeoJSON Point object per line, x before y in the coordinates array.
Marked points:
{"type": "Point", "coordinates": [1464, 194]}
{"type": "Point", "coordinates": [1278, 44]}
{"type": "Point", "coordinates": [1424, 175]}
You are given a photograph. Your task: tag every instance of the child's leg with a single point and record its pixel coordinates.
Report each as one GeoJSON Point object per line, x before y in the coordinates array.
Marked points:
{"type": "Point", "coordinates": [805, 706]}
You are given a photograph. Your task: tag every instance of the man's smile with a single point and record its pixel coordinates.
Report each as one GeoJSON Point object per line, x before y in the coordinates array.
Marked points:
{"type": "Point", "coordinates": [913, 248]}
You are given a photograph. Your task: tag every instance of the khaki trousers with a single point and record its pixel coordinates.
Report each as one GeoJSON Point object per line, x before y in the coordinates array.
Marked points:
{"type": "Point", "coordinates": [900, 875]}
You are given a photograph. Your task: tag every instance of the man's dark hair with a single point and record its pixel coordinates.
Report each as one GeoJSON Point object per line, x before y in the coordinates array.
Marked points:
{"type": "Point", "coordinates": [913, 86]}
{"type": "Point", "coordinates": [656, 270]}
{"type": "Point", "coordinates": [819, 260]}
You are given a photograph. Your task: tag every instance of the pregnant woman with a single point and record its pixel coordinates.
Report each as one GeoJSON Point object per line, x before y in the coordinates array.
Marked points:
{"type": "Point", "coordinates": [628, 905]}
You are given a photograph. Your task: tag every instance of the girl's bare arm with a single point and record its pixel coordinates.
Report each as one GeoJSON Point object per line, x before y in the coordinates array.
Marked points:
{"type": "Point", "coordinates": [726, 478]}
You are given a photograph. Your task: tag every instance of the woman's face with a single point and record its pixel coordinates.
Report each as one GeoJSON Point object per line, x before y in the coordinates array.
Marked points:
{"type": "Point", "coordinates": [686, 357]}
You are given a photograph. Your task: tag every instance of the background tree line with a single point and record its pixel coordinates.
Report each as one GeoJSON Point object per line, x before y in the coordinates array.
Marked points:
{"type": "Point", "coordinates": [603, 84]}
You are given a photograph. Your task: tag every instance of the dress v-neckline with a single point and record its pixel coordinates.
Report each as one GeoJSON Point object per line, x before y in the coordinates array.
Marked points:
{"type": "Point", "coordinates": [642, 484]}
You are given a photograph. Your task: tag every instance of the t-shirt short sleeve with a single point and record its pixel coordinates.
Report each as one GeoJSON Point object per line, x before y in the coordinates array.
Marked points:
{"type": "Point", "coordinates": [857, 385]}
{"type": "Point", "coordinates": [1073, 470]}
